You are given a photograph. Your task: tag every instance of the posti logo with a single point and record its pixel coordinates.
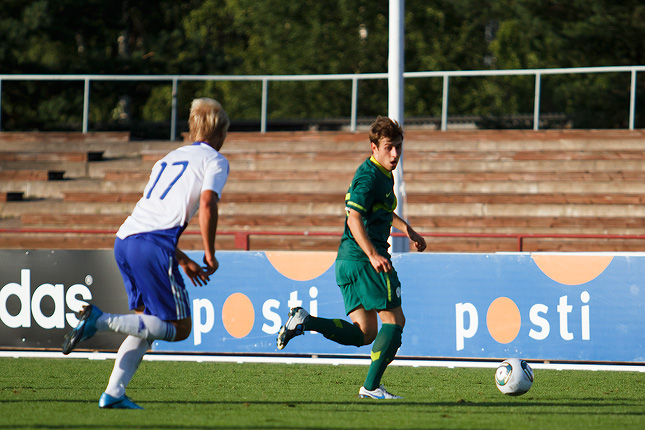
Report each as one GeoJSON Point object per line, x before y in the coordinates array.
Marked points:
{"type": "Point", "coordinates": [503, 318]}
{"type": "Point", "coordinates": [238, 313]}
{"type": "Point", "coordinates": [31, 302]}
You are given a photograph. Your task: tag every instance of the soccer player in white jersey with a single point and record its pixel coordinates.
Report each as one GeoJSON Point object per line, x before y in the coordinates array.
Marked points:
{"type": "Point", "coordinates": [146, 252]}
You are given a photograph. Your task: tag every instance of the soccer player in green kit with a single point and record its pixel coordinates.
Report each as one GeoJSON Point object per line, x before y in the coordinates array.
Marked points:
{"type": "Point", "coordinates": [364, 272]}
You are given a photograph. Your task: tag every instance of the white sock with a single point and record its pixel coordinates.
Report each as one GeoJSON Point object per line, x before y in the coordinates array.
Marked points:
{"type": "Point", "coordinates": [144, 326]}
{"type": "Point", "coordinates": [127, 362]}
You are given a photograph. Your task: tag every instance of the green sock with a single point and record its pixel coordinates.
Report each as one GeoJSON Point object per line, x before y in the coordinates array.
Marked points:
{"type": "Point", "coordinates": [387, 342]}
{"type": "Point", "coordinates": [340, 331]}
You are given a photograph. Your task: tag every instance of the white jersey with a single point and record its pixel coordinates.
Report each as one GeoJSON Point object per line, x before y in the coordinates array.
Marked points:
{"type": "Point", "coordinates": [171, 197]}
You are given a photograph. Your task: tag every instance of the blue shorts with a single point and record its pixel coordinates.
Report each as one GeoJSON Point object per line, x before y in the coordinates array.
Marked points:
{"type": "Point", "coordinates": [152, 276]}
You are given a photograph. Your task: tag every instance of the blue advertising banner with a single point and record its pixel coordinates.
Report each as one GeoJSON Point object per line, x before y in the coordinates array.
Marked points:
{"type": "Point", "coordinates": [560, 307]}
{"type": "Point", "coordinates": [579, 307]}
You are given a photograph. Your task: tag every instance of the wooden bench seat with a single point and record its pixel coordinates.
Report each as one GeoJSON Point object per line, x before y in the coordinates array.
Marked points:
{"type": "Point", "coordinates": [11, 196]}
{"type": "Point", "coordinates": [126, 175]}
{"type": "Point", "coordinates": [595, 176]}
{"type": "Point", "coordinates": [236, 222]}
{"type": "Point", "coordinates": [97, 197]}
{"type": "Point", "coordinates": [334, 223]}
{"type": "Point", "coordinates": [467, 184]}
{"type": "Point", "coordinates": [429, 153]}
{"type": "Point", "coordinates": [51, 156]}
{"type": "Point", "coordinates": [32, 175]}
{"type": "Point", "coordinates": [61, 137]}
{"type": "Point", "coordinates": [339, 198]}
{"type": "Point", "coordinates": [520, 224]}
{"type": "Point", "coordinates": [408, 176]}
{"type": "Point", "coordinates": [529, 198]}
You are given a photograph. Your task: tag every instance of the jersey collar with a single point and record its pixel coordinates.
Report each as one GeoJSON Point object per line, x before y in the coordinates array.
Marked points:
{"type": "Point", "coordinates": [381, 168]}
{"type": "Point", "coordinates": [201, 142]}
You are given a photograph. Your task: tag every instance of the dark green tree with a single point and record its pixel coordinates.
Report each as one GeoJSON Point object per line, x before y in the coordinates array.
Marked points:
{"type": "Point", "coordinates": [274, 37]}
{"type": "Point", "coordinates": [555, 34]}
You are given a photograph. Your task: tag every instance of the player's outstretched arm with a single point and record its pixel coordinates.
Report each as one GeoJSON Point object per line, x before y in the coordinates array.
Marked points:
{"type": "Point", "coordinates": [416, 238]}
{"type": "Point", "coordinates": [208, 214]}
{"type": "Point", "coordinates": [197, 275]}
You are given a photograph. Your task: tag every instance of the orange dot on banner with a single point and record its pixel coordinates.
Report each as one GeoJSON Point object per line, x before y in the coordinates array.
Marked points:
{"type": "Point", "coordinates": [503, 320]}
{"type": "Point", "coordinates": [238, 315]}
{"type": "Point", "coordinates": [572, 269]}
{"type": "Point", "coordinates": [301, 266]}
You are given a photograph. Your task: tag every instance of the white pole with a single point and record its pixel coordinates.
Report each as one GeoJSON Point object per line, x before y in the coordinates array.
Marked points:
{"type": "Point", "coordinates": [444, 103]}
{"type": "Point", "coordinates": [354, 105]}
{"type": "Point", "coordinates": [396, 67]}
{"type": "Point", "coordinates": [173, 111]}
{"type": "Point", "coordinates": [632, 100]}
{"type": "Point", "coordinates": [536, 102]}
{"type": "Point", "coordinates": [86, 105]}
{"type": "Point", "coordinates": [265, 97]}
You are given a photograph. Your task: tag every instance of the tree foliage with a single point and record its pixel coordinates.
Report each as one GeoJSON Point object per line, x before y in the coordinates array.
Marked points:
{"type": "Point", "coordinates": [274, 37]}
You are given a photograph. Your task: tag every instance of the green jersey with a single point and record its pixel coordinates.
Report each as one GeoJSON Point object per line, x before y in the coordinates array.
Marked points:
{"type": "Point", "coordinates": [371, 194]}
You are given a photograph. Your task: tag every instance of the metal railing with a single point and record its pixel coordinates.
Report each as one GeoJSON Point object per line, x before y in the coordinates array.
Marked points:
{"type": "Point", "coordinates": [354, 78]}
{"type": "Point", "coordinates": [242, 239]}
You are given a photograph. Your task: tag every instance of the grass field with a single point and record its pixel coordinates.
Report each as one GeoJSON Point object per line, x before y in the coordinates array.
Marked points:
{"type": "Point", "coordinates": [63, 394]}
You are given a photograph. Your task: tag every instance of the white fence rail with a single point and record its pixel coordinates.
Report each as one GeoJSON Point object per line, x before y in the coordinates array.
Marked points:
{"type": "Point", "coordinates": [354, 78]}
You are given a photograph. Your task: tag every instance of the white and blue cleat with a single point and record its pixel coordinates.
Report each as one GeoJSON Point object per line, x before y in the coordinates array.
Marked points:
{"type": "Point", "coordinates": [379, 393]}
{"type": "Point", "coordinates": [124, 402]}
{"type": "Point", "coordinates": [85, 329]}
{"type": "Point", "coordinates": [294, 326]}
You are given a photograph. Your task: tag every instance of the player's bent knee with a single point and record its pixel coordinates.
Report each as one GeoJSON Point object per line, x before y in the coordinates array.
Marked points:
{"type": "Point", "coordinates": [369, 332]}
{"type": "Point", "coordinates": [181, 335]}
{"type": "Point", "coordinates": [368, 339]}
{"type": "Point", "coordinates": [369, 335]}
{"type": "Point", "coordinates": [183, 328]}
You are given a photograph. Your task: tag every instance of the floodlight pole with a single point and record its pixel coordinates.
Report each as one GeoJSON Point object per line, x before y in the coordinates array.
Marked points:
{"type": "Point", "coordinates": [396, 67]}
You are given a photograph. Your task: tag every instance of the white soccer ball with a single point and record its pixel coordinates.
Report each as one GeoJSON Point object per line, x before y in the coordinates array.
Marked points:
{"type": "Point", "coordinates": [514, 377]}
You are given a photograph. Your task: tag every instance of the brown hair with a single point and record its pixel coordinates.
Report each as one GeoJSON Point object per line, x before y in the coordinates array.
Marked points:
{"type": "Point", "coordinates": [385, 127]}
{"type": "Point", "coordinates": [207, 120]}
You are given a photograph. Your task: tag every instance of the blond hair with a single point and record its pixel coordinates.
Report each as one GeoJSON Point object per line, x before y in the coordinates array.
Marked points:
{"type": "Point", "coordinates": [207, 120]}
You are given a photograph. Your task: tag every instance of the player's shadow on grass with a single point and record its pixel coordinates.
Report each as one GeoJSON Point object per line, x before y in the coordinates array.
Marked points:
{"type": "Point", "coordinates": [587, 403]}
{"type": "Point", "coordinates": [367, 403]}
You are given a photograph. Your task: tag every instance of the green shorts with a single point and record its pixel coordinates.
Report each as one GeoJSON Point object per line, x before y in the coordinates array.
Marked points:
{"type": "Point", "coordinates": [360, 285]}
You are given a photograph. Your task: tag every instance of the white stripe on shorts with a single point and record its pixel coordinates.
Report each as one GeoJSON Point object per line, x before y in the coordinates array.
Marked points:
{"type": "Point", "coordinates": [179, 294]}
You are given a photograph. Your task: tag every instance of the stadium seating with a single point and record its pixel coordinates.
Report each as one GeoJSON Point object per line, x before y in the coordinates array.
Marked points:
{"type": "Point", "coordinates": [474, 191]}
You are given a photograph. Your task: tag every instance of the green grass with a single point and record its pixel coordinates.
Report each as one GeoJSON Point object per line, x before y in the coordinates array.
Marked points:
{"type": "Point", "coordinates": [63, 394]}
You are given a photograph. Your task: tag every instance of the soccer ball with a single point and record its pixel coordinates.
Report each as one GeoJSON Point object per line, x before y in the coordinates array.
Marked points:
{"type": "Point", "coordinates": [514, 377]}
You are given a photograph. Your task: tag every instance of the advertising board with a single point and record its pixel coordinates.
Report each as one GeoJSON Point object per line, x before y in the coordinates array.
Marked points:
{"type": "Point", "coordinates": [567, 307]}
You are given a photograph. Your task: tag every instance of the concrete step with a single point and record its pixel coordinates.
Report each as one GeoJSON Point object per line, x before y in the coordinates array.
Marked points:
{"type": "Point", "coordinates": [418, 187]}
{"type": "Point", "coordinates": [92, 240]}
{"type": "Point", "coordinates": [27, 175]}
{"type": "Point", "coordinates": [486, 209]}
{"type": "Point", "coordinates": [11, 196]}
{"type": "Point", "coordinates": [227, 222]}
{"type": "Point", "coordinates": [428, 165]}
{"type": "Point", "coordinates": [336, 198]}
{"type": "Point", "coordinates": [549, 182]}
{"type": "Point", "coordinates": [334, 223]}
{"type": "Point", "coordinates": [116, 144]}
{"type": "Point", "coordinates": [50, 156]}
{"type": "Point", "coordinates": [56, 189]}
{"type": "Point", "coordinates": [422, 139]}
{"type": "Point", "coordinates": [62, 137]}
